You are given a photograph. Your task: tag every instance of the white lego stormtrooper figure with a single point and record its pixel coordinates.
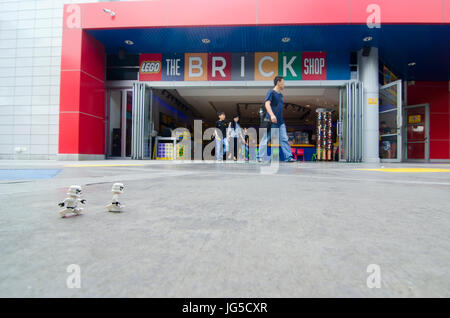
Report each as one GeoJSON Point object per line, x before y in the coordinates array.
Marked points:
{"type": "Point", "coordinates": [115, 205]}
{"type": "Point", "coordinates": [70, 204]}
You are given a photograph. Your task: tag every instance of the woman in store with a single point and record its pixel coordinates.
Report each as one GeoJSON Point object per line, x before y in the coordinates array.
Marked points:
{"type": "Point", "coordinates": [236, 134]}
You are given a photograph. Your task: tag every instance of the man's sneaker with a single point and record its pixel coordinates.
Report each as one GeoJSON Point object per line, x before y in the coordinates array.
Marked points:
{"type": "Point", "coordinates": [291, 160]}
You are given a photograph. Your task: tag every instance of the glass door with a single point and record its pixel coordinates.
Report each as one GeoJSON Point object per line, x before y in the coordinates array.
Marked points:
{"type": "Point", "coordinates": [390, 122]}
{"type": "Point", "coordinates": [142, 122]}
{"type": "Point", "coordinates": [340, 125]}
{"type": "Point", "coordinates": [128, 117]}
{"type": "Point", "coordinates": [350, 122]}
{"type": "Point", "coordinates": [416, 133]}
{"type": "Point", "coordinates": [119, 123]}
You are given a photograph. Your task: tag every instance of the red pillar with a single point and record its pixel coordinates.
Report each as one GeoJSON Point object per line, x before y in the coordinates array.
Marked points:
{"type": "Point", "coordinates": [82, 95]}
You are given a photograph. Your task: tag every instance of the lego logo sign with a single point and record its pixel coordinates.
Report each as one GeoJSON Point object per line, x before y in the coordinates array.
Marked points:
{"type": "Point", "coordinates": [314, 66]}
{"type": "Point", "coordinates": [244, 66]}
{"type": "Point", "coordinates": [150, 67]}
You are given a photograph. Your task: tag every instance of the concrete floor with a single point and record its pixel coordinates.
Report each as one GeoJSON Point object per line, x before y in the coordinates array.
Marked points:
{"type": "Point", "coordinates": [227, 230]}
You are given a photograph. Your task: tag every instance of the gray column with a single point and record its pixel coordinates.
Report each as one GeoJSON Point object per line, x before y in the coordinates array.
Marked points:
{"type": "Point", "coordinates": [368, 75]}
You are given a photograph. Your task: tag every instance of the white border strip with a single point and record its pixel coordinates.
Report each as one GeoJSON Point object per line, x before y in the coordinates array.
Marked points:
{"type": "Point", "coordinates": [86, 73]}
{"type": "Point", "coordinates": [75, 112]}
{"type": "Point", "coordinates": [237, 84]}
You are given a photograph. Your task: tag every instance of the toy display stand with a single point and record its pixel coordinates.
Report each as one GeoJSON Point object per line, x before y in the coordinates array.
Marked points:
{"type": "Point", "coordinates": [324, 134]}
{"type": "Point", "coordinates": [181, 148]}
{"type": "Point", "coordinates": [162, 155]}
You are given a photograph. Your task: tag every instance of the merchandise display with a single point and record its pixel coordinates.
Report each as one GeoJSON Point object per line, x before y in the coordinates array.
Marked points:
{"type": "Point", "coordinates": [301, 137]}
{"type": "Point", "coordinates": [329, 137]}
{"type": "Point", "coordinates": [324, 135]}
{"type": "Point", "coordinates": [181, 148]}
{"type": "Point", "coordinates": [165, 151]}
{"type": "Point", "coordinates": [319, 135]}
{"type": "Point", "coordinates": [291, 137]}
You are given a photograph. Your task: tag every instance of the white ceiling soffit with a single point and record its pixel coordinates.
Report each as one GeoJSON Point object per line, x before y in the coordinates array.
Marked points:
{"type": "Point", "coordinates": [249, 92]}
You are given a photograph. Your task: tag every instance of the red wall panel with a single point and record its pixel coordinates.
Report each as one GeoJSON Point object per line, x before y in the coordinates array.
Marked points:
{"type": "Point", "coordinates": [399, 11]}
{"type": "Point", "coordinates": [161, 13]}
{"type": "Point", "coordinates": [303, 12]}
{"type": "Point", "coordinates": [68, 133]}
{"type": "Point", "coordinates": [69, 96]}
{"type": "Point", "coordinates": [438, 96]}
{"type": "Point", "coordinates": [92, 96]}
{"type": "Point", "coordinates": [93, 57]}
{"type": "Point", "coordinates": [71, 49]}
{"type": "Point", "coordinates": [439, 149]}
{"type": "Point", "coordinates": [82, 94]}
{"type": "Point", "coordinates": [446, 11]}
{"type": "Point", "coordinates": [207, 12]}
{"type": "Point", "coordinates": [92, 135]}
{"type": "Point", "coordinates": [439, 126]}
{"type": "Point", "coordinates": [422, 92]}
{"type": "Point", "coordinates": [128, 14]}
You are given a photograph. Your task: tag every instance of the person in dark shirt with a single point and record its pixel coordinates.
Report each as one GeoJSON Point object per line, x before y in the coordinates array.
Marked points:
{"type": "Point", "coordinates": [274, 110]}
{"type": "Point", "coordinates": [221, 137]}
{"type": "Point", "coordinates": [166, 132]}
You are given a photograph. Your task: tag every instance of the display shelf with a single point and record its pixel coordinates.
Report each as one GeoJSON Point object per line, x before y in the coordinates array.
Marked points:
{"type": "Point", "coordinates": [162, 154]}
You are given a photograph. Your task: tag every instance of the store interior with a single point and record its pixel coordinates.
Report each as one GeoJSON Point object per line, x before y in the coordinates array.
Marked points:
{"type": "Point", "coordinates": [181, 106]}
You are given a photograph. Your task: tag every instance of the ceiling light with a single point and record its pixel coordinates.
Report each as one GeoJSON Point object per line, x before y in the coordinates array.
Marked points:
{"type": "Point", "coordinates": [412, 64]}
{"type": "Point", "coordinates": [367, 39]}
{"type": "Point", "coordinates": [129, 42]}
{"type": "Point", "coordinates": [112, 13]}
{"type": "Point", "coordinates": [308, 105]}
{"type": "Point", "coordinates": [285, 40]}
{"type": "Point", "coordinates": [206, 41]}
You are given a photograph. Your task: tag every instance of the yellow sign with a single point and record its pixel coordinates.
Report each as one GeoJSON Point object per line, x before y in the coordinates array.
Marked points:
{"type": "Point", "coordinates": [373, 101]}
{"type": "Point", "coordinates": [414, 119]}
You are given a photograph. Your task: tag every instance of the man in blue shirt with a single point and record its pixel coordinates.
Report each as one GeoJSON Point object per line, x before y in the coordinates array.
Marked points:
{"type": "Point", "coordinates": [274, 108]}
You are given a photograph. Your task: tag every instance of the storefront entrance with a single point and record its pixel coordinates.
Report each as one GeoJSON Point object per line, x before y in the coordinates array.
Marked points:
{"type": "Point", "coordinates": [136, 132]}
